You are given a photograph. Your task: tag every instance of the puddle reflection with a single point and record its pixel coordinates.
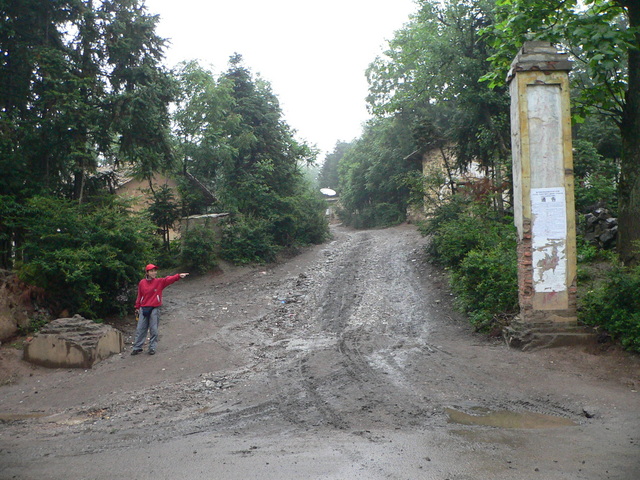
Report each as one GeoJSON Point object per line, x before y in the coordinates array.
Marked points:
{"type": "Point", "coordinates": [507, 419]}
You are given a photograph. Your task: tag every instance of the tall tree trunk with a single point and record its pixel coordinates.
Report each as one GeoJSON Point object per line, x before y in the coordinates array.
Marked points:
{"type": "Point", "coordinates": [629, 189]}
{"type": "Point", "coordinates": [447, 166]}
{"type": "Point", "coordinates": [87, 71]}
{"type": "Point", "coordinates": [79, 183]}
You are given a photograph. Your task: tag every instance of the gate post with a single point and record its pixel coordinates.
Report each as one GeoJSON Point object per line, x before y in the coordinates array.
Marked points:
{"type": "Point", "coordinates": [543, 191]}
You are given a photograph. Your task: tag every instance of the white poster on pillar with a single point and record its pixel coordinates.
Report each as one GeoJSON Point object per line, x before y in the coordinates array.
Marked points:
{"type": "Point", "coordinates": [549, 239]}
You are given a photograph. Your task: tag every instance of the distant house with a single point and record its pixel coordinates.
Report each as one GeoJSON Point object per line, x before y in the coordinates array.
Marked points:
{"type": "Point", "coordinates": [441, 161]}
{"type": "Point", "coordinates": [208, 220]}
{"type": "Point", "coordinates": [139, 192]}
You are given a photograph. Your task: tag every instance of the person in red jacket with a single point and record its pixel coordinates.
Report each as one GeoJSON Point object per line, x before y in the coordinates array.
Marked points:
{"type": "Point", "coordinates": [147, 303]}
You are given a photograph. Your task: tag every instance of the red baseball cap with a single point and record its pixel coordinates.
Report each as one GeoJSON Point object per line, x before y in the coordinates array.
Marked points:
{"type": "Point", "coordinates": [151, 266]}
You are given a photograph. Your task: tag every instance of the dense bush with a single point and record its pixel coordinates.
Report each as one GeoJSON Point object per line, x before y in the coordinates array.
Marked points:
{"type": "Point", "coordinates": [247, 239]}
{"type": "Point", "coordinates": [300, 219]}
{"type": "Point", "coordinates": [87, 258]}
{"type": "Point", "coordinates": [286, 222]}
{"type": "Point", "coordinates": [614, 306]}
{"type": "Point", "coordinates": [596, 178]}
{"type": "Point", "coordinates": [485, 284]}
{"type": "Point", "coordinates": [450, 210]}
{"type": "Point", "coordinates": [478, 246]}
{"type": "Point", "coordinates": [455, 239]}
{"type": "Point", "coordinates": [372, 176]}
{"type": "Point", "coordinates": [198, 252]}
{"type": "Point", "coordinates": [458, 228]}
{"type": "Point", "coordinates": [377, 215]}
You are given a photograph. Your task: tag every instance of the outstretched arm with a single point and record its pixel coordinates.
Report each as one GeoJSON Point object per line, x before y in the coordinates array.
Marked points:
{"type": "Point", "coordinates": [166, 281]}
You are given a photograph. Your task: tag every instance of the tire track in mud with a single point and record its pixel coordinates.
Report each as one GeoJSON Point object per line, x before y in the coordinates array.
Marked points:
{"type": "Point", "coordinates": [367, 312]}
{"type": "Point", "coordinates": [375, 304]}
{"type": "Point", "coordinates": [348, 348]}
{"type": "Point", "coordinates": [342, 380]}
{"type": "Point", "coordinates": [343, 383]}
{"type": "Point", "coordinates": [351, 350]}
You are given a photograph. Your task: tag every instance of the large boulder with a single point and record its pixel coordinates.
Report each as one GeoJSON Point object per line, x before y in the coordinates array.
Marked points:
{"type": "Point", "coordinates": [73, 343]}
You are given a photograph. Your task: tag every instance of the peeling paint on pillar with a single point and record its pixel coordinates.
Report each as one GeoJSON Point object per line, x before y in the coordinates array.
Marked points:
{"type": "Point", "coordinates": [543, 187]}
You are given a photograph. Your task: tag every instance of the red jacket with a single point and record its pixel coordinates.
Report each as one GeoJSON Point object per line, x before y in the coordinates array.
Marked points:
{"type": "Point", "coordinates": [150, 290]}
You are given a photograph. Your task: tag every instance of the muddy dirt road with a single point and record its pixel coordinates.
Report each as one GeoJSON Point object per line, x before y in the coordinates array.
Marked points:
{"type": "Point", "coordinates": [345, 362]}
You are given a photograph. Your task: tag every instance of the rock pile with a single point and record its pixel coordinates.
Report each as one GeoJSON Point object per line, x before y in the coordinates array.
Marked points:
{"type": "Point", "coordinates": [601, 228]}
{"type": "Point", "coordinates": [73, 343]}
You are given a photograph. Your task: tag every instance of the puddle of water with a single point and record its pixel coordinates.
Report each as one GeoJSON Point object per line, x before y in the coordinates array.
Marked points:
{"type": "Point", "coordinates": [507, 419]}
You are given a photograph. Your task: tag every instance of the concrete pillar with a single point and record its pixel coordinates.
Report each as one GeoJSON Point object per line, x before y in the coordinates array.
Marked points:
{"type": "Point", "coordinates": [544, 208]}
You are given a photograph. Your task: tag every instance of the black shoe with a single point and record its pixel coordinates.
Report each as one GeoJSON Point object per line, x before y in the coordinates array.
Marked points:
{"type": "Point", "coordinates": [135, 351]}
{"type": "Point", "coordinates": [152, 352]}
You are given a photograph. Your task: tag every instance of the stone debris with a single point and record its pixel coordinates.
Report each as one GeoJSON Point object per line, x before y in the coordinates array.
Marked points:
{"type": "Point", "coordinates": [601, 228]}
{"type": "Point", "coordinates": [73, 343]}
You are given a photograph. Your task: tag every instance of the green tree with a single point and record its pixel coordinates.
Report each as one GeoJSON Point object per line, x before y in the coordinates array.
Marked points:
{"type": "Point", "coordinates": [233, 138]}
{"type": "Point", "coordinates": [204, 120]}
{"type": "Point", "coordinates": [67, 96]}
{"type": "Point", "coordinates": [372, 173]}
{"type": "Point", "coordinates": [604, 38]}
{"type": "Point", "coordinates": [266, 155]}
{"type": "Point", "coordinates": [596, 164]}
{"type": "Point", "coordinates": [164, 212]}
{"type": "Point", "coordinates": [329, 177]}
{"type": "Point", "coordinates": [35, 83]}
{"type": "Point", "coordinates": [141, 89]}
{"type": "Point", "coordinates": [80, 84]}
{"type": "Point", "coordinates": [430, 72]}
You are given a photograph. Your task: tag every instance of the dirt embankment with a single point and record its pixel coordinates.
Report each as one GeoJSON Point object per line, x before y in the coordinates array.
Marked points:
{"type": "Point", "coordinates": [344, 362]}
{"type": "Point", "coordinates": [16, 305]}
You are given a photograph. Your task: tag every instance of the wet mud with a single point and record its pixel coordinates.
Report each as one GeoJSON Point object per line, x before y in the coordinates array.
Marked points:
{"type": "Point", "coordinates": [345, 361]}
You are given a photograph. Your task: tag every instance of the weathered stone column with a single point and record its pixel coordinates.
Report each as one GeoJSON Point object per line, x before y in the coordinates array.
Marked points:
{"type": "Point", "coordinates": [543, 199]}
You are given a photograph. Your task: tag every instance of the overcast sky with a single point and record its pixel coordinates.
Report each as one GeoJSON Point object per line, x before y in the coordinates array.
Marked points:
{"type": "Point", "coordinates": [314, 53]}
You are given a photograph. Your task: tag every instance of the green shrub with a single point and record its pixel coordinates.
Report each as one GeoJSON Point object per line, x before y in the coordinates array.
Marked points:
{"type": "Point", "coordinates": [374, 216]}
{"type": "Point", "coordinates": [455, 239]}
{"type": "Point", "coordinates": [596, 178]}
{"type": "Point", "coordinates": [486, 284]}
{"type": "Point", "coordinates": [588, 252]}
{"type": "Point", "coordinates": [86, 258]}
{"type": "Point", "coordinates": [170, 258]}
{"type": "Point", "coordinates": [198, 251]}
{"type": "Point", "coordinates": [300, 220]}
{"type": "Point", "coordinates": [247, 239]}
{"type": "Point", "coordinates": [456, 207]}
{"type": "Point", "coordinates": [614, 306]}
{"type": "Point", "coordinates": [388, 214]}
{"type": "Point", "coordinates": [465, 230]}
{"type": "Point", "coordinates": [479, 247]}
